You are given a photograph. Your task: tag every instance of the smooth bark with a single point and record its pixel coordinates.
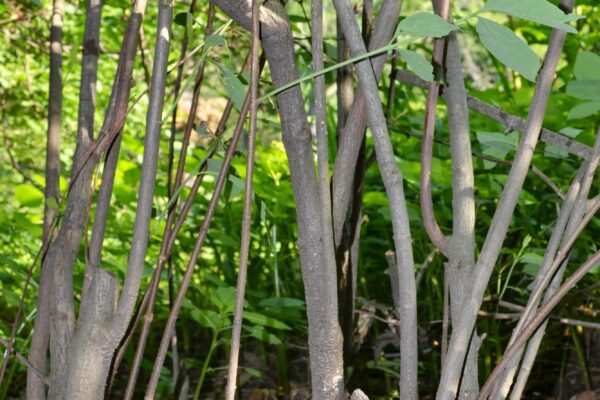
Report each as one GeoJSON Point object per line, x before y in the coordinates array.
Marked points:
{"type": "Point", "coordinates": [461, 335]}
{"type": "Point", "coordinates": [325, 339]}
{"type": "Point", "coordinates": [393, 181]}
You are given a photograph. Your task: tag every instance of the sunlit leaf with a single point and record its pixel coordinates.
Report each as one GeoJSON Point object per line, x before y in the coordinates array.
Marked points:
{"type": "Point", "coordinates": [510, 49]}
{"type": "Point", "coordinates": [28, 196]}
{"type": "Point", "coordinates": [418, 64]}
{"type": "Point", "coordinates": [539, 11]}
{"type": "Point", "coordinates": [234, 87]}
{"type": "Point", "coordinates": [425, 24]}
{"type": "Point", "coordinates": [584, 110]}
{"type": "Point", "coordinates": [587, 66]}
{"type": "Point", "coordinates": [260, 319]}
{"type": "Point", "coordinates": [584, 90]}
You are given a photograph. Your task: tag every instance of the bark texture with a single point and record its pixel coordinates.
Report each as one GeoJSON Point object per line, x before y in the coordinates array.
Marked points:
{"type": "Point", "coordinates": [325, 338]}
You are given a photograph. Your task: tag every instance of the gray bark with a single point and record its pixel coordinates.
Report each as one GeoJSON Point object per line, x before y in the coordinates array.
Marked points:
{"type": "Point", "coordinates": [461, 248]}
{"type": "Point", "coordinates": [51, 189]}
{"type": "Point", "coordinates": [320, 284]}
{"type": "Point", "coordinates": [459, 342]}
{"type": "Point", "coordinates": [393, 181]}
{"type": "Point", "coordinates": [350, 140]}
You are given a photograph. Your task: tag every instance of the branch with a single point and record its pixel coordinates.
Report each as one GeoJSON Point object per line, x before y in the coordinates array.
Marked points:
{"type": "Point", "coordinates": [431, 226]}
{"type": "Point", "coordinates": [44, 379]}
{"type": "Point", "coordinates": [247, 215]}
{"type": "Point", "coordinates": [510, 121]}
{"type": "Point", "coordinates": [540, 317]}
{"type": "Point", "coordinates": [461, 335]}
{"type": "Point", "coordinates": [393, 181]}
{"type": "Point", "coordinates": [139, 242]}
{"type": "Point", "coordinates": [353, 133]}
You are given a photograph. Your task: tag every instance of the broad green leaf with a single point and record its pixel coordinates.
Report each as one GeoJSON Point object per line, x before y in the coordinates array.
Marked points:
{"type": "Point", "coordinates": [587, 66]}
{"type": "Point", "coordinates": [570, 132]}
{"type": "Point", "coordinates": [181, 18]}
{"type": "Point", "coordinates": [52, 203]}
{"type": "Point", "coordinates": [425, 24]}
{"type": "Point", "coordinates": [214, 40]}
{"type": "Point", "coordinates": [552, 151]}
{"type": "Point", "coordinates": [283, 302]}
{"type": "Point", "coordinates": [209, 319]}
{"type": "Point", "coordinates": [510, 49]}
{"type": "Point", "coordinates": [224, 298]}
{"type": "Point", "coordinates": [186, 20]}
{"type": "Point", "coordinates": [263, 335]}
{"type": "Point", "coordinates": [260, 319]}
{"type": "Point", "coordinates": [28, 196]}
{"type": "Point", "coordinates": [253, 371]}
{"type": "Point", "coordinates": [497, 145]}
{"type": "Point", "coordinates": [532, 263]}
{"type": "Point", "coordinates": [539, 11]}
{"type": "Point", "coordinates": [418, 64]}
{"type": "Point", "coordinates": [500, 140]}
{"type": "Point", "coordinates": [584, 90]}
{"type": "Point", "coordinates": [235, 88]}
{"type": "Point", "coordinates": [584, 110]}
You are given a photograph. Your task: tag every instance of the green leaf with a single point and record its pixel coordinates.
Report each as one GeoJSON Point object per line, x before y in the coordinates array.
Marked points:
{"type": "Point", "coordinates": [552, 151]}
{"type": "Point", "coordinates": [223, 298]}
{"type": "Point", "coordinates": [539, 11]}
{"type": "Point", "coordinates": [570, 132]}
{"type": "Point", "coordinates": [186, 20]}
{"type": "Point", "coordinates": [52, 203]}
{"type": "Point", "coordinates": [587, 66]}
{"type": "Point", "coordinates": [282, 302]}
{"type": "Point", "coordinates": [214, 40]}
{"type": "Point", "coordinates": [181, 18]}
{"type": "Point", "coordinates": [418, 64]}
{"type": "Point", "coordinates": [260, 319]}
{"type": "Point", "coordinates": [263, 335]}
{"type": "Point", "coordinates": [209, 319]}
{"type": "Point", "coordinates": [253, 371]}
{"type": "Point", "coordinates": [235, 88]}
{"type": "Point", "coordinates": [507, 47]}
{"type": "Point", "coordinates": [584, 90]}
{"type": "Point", "coordinates": [584, 110]}
{"type": "Point", "coordinates": [425, 24]}
{"type": "Point", "coordinates": [499, 140]}
{"type": "Point", "coordinates": [28, 196]}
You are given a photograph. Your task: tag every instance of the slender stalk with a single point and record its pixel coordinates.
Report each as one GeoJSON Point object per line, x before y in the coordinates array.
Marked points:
{"type": "Point", "coordinates": [575, 220]}
{"type": "Point", "coordinates": [461, 335]}
{"type": "Point", "coordinates": [393, 181]}
{"type": "Point", "coordinates": [509, 121]}
{"type": "Point", "coordinates": [187, 278]}
{"type": "Point", "coordinates": [351, 139]}
{"type": "Point", "coordinates": [164, 255]}
{"type": "Point", "coordinates": [247, 215]}
{"type": "Point", "coordinates": [51, 190]}
{"type": "Point", "coordinates": [534, 324]}
{"type": "Point", "coordinates": [431, 226]}
{"type": "Point", "coordinates": [52, 260]}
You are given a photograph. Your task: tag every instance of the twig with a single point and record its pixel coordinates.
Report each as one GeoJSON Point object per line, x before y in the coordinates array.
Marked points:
{"type": "Point", "coordinates": [536, 321]}
{"type": "Point", "coordinates": [510, 121]}
{"type": "Point", "coordinates": [24, 361]}
{"type": "Point", "coordinates": [187, 278]}
{"type": "Point", "coordinates": [431, 226]}
{"type": "Point", "coordinates": [461, 334]}
{"type": "Point", "coordinates": [393, 182]}
{"type": "Point", "coordinates": [247, 214]}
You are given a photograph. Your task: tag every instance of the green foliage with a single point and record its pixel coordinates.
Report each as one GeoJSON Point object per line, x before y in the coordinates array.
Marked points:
{"type": "Point", "coordinates": [418, 64]}
{"type": "Point", "coordinates": [508, 48]}
{"type": "Point", "coordinates": [425, 24]}
{"type": "Point", "coordinates": [274, 332]}
{"type": "Point", "coordinates": [540, 11]}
